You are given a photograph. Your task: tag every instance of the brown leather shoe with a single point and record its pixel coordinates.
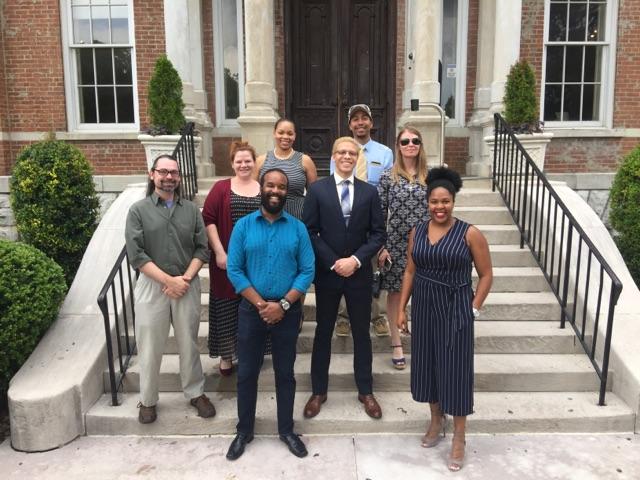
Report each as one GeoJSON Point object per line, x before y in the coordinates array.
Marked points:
{"type": "Point", "coordinates": [204, 406]}
{"type": "Point", "coordinates": [146, 414]}
{"type": "Point", "coordinates": [312, 408]}
{"type": "Point", "coordinates": [371, 405]}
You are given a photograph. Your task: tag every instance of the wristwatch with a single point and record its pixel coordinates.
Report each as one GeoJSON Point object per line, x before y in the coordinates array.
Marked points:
{"type": "Point", "coordinates": [476, 313]}
{"type": "Point", "coordinates": [284, 304]}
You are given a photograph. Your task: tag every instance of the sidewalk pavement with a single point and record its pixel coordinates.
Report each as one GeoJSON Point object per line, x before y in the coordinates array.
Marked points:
{"type": "Point", "coordinates": [361, 457]}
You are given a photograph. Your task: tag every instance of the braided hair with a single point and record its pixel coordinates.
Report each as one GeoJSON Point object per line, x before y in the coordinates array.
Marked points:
{"type": "Point", "coordinates": [445, 178]}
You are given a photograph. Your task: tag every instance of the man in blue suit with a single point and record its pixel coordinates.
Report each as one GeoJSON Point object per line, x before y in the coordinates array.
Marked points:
{"type": "Point", "coordinates": [344, 219]}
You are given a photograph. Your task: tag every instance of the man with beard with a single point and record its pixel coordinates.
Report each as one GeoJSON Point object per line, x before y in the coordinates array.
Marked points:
{"type": "Point", "coordinates": [270, 263]}
{"type": "Point", "coordinates": [166, 241]}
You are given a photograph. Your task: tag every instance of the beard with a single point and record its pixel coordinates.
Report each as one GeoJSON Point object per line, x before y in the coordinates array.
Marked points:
{"type": "Point", "coordinates": [168, 186]}
{"type": "Point", "coordinates": [272, 208]}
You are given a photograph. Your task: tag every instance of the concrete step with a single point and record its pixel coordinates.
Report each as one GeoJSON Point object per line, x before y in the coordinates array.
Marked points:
{"type": "Point", "coordinates": [478, 197]}
{"type": "Point", "coordinates": [498, 306]}
{"type": "Point", "coordinates": [517, 412]}
{"type": "Point", "coordinates": [493, 373]}
{"type": "Point", "coordinates": [484, 215]}
{"type": "Point", "coordinates": [490, 337]}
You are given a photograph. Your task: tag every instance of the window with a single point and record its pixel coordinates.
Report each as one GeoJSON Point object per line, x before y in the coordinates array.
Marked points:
{"type": "Point", "coordinates": [100, 64]}
{"type": "Point", "coordinates": [452, 78]}
{"type": "Point", "coordinates": [578, 69]}
{"type": "Point", "coordinates": [229, 61]}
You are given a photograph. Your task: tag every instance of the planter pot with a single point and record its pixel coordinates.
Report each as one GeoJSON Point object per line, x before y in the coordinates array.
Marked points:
{"type": "Point", "coordinates": [534, 143]}
{"type": "Point", "coordinates": [159, 144]}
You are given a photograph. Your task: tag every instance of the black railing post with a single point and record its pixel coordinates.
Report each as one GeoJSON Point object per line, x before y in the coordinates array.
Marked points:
{"type": "Point", "coordinates": [512, 164]}
{"type": "Point", "coordinates": [496, 125]}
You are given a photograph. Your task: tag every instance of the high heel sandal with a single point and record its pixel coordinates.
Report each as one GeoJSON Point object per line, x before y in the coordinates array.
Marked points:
{"type": "Point", "coordinates": [398, 363]}
{"type": "Point", "coordinates": [430, 442]}
{"type": "Point", "coordinates": [456, 462]}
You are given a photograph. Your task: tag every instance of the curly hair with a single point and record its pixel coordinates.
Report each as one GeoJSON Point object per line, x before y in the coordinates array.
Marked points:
{"type": "Point", "coordinates": [443, 177]}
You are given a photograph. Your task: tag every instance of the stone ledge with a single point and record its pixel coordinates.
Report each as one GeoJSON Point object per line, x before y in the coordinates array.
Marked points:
{"type": "Point", "coordinates": [61, 380]}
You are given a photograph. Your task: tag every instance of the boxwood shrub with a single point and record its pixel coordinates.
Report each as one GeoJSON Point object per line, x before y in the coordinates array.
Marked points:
{"type": "Point", "coordinates": [625, 211]}
{"type": "Point", "coordinates": [520, 100]}
{"type": "Point", "coordinates": [32, 288]}
{"type": "Point", "coordinates": [54, 201]}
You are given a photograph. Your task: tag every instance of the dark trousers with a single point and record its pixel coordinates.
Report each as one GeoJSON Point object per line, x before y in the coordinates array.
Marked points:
{"type": "Point", "coordinates": [358, 303]}
{"type": "Point", "coordinates": [252, 334]}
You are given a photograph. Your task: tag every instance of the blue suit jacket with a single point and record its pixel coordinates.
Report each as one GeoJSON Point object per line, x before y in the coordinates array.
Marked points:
{"type": "Point", "coordinates": [332, 239]}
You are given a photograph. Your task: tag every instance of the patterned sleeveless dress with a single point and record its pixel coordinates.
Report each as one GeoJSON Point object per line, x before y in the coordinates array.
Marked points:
{"type": "Point", "coordinates": [297, 180]}
{"type": "Point", "coordinates": [442, 321]}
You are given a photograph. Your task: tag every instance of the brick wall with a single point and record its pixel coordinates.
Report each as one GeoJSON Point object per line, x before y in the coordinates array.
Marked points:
{"type": "Point", "coordinates": [472, 57]}
{"type": "Point", "coordinates": [592, 154]}
{"type": "Point", "coordinates": [34, 80]}
{"type": "Point", "coordinates": [627, 92]}
{"type": "Point", "coordinates": [456, 153]}
{"type": "Point", "coordinates": [207, 53]}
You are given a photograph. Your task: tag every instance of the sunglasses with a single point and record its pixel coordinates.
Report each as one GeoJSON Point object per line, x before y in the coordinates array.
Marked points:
{"type": "Point", "coordinates": [405, 141]}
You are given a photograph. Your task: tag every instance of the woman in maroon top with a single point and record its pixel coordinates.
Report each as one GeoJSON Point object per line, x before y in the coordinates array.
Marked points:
{"type": "Point", "coordinates": [227, 202]}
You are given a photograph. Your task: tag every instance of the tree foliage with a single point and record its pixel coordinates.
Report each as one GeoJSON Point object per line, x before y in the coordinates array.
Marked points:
{"type": "Point", "coordinates": [520, 100]}
{"type": "Point", "coordinates": [625, 211]}
{"type": "Point", "coordinates": [165, 99]}
{"type": "Point", "coordinates": [54, 201]}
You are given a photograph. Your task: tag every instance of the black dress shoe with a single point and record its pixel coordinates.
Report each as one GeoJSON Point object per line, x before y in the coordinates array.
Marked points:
{"type": "Point", "coordinates": [236, 449]}
{"type": "Point", "coordinates": [295, 445]}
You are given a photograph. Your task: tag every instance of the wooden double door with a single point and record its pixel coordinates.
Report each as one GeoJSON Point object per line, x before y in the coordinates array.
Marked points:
{"type": "Point", "coordinates": [338, 53]}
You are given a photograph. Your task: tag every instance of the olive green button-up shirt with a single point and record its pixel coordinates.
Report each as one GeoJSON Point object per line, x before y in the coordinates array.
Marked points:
{"type": "Point", "coordinates": [168, 237]}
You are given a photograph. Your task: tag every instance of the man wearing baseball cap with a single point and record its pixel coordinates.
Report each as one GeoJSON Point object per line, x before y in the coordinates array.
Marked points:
{"type": "Point", "coordinates": [373, 159]}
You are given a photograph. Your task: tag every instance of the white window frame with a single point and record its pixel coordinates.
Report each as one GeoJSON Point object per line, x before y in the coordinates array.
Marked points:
{"type": "Point", "coordinates": [608, 70]}
{"type": "Point", "coordinates": [218, 59]}
{"type": "Point", "coordinates": [461, 65]}
{"type": "Point", "coordinates": [71, 75]}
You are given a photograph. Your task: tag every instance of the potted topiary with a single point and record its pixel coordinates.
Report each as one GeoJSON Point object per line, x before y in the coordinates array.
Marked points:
{"type": "Point", "coordinates": [165, 111]}
{"type": "Point", "coordinates": [522, 114]}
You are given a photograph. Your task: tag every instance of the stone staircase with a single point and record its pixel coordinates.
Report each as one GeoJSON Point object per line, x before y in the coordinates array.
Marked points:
{"type": "Point", "coordinates": [530, 375]}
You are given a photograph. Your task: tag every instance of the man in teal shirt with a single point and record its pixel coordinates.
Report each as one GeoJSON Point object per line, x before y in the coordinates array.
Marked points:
{"type": "Point", "coordinates": [271, 264]}
{"type": "Point", "coordinates": [166, 241]}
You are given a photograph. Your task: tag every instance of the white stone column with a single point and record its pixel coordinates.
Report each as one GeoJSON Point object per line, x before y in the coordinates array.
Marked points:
{"type": "Point", "coordinates": [499, 28]}
{"type": "Point", "coordinates": [183, 39]}
{"type": "Point", "coordinates": [425, 46]}
{"type": "Point", "coordinates": [259, 115]}
{"type": "Point", "coordinates": [508, 19]}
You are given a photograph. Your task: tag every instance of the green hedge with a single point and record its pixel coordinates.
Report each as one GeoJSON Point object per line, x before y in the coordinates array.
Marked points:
{"type": "Point", "coordinates": [32, 288]}
{"type": "Point", "coordinates": [54, 201]}
{"type": "Point", "coordinates": [625, 211]}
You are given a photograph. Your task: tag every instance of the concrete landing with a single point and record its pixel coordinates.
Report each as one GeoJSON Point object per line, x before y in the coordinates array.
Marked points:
{"type": "Point", "coordinates": [508, 412]}
{"type": "Point", "coordinates": [360, 457]}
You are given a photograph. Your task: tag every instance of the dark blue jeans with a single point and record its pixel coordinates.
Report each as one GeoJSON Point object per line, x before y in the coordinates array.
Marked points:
{"type": "Point", "coordinates": [252, 334]}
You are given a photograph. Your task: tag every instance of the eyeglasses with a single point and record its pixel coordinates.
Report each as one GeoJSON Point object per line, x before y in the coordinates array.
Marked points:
{"type": "Point", "coordinates": [405, 141]}
{"type": "Point", "coordinates": [163, 172]}
{"type": "Point", "coordinates": [344, 153]}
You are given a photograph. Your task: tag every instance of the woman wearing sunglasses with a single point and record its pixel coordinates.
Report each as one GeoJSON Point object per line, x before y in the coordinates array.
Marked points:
{"type": "Point", "coordinates": [402, 191]}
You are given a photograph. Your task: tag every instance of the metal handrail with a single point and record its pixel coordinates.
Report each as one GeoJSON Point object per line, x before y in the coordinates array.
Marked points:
{"type": "Point", "coordinates": [123, 304]}
{"type": "Point", "coordinates": [544, 220]}
{"type": "Point", "coordinates": [122, 311]}
{"type": "Point", "coordinates": [185, 153]}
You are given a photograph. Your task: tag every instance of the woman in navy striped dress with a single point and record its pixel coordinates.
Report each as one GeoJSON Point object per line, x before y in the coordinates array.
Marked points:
{"type": "Point", "coordinates": [440, 255]}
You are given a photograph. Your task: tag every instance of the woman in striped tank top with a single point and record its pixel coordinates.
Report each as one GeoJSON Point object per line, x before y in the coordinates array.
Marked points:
{"type": "Point", "coordinates": [299, 167]}
{"type": "Point", "coordinates": [440, 255]}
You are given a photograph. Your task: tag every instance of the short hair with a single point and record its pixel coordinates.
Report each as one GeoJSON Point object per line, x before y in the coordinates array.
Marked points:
{"type": "Point", "coordinates": [343, 140]}
{"type": "Point", "coordinates": [275, 169]}
{"type": "Point", "coordinates": [240, 146]}
{"type": "Point", "coordinates": [151, 186]}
